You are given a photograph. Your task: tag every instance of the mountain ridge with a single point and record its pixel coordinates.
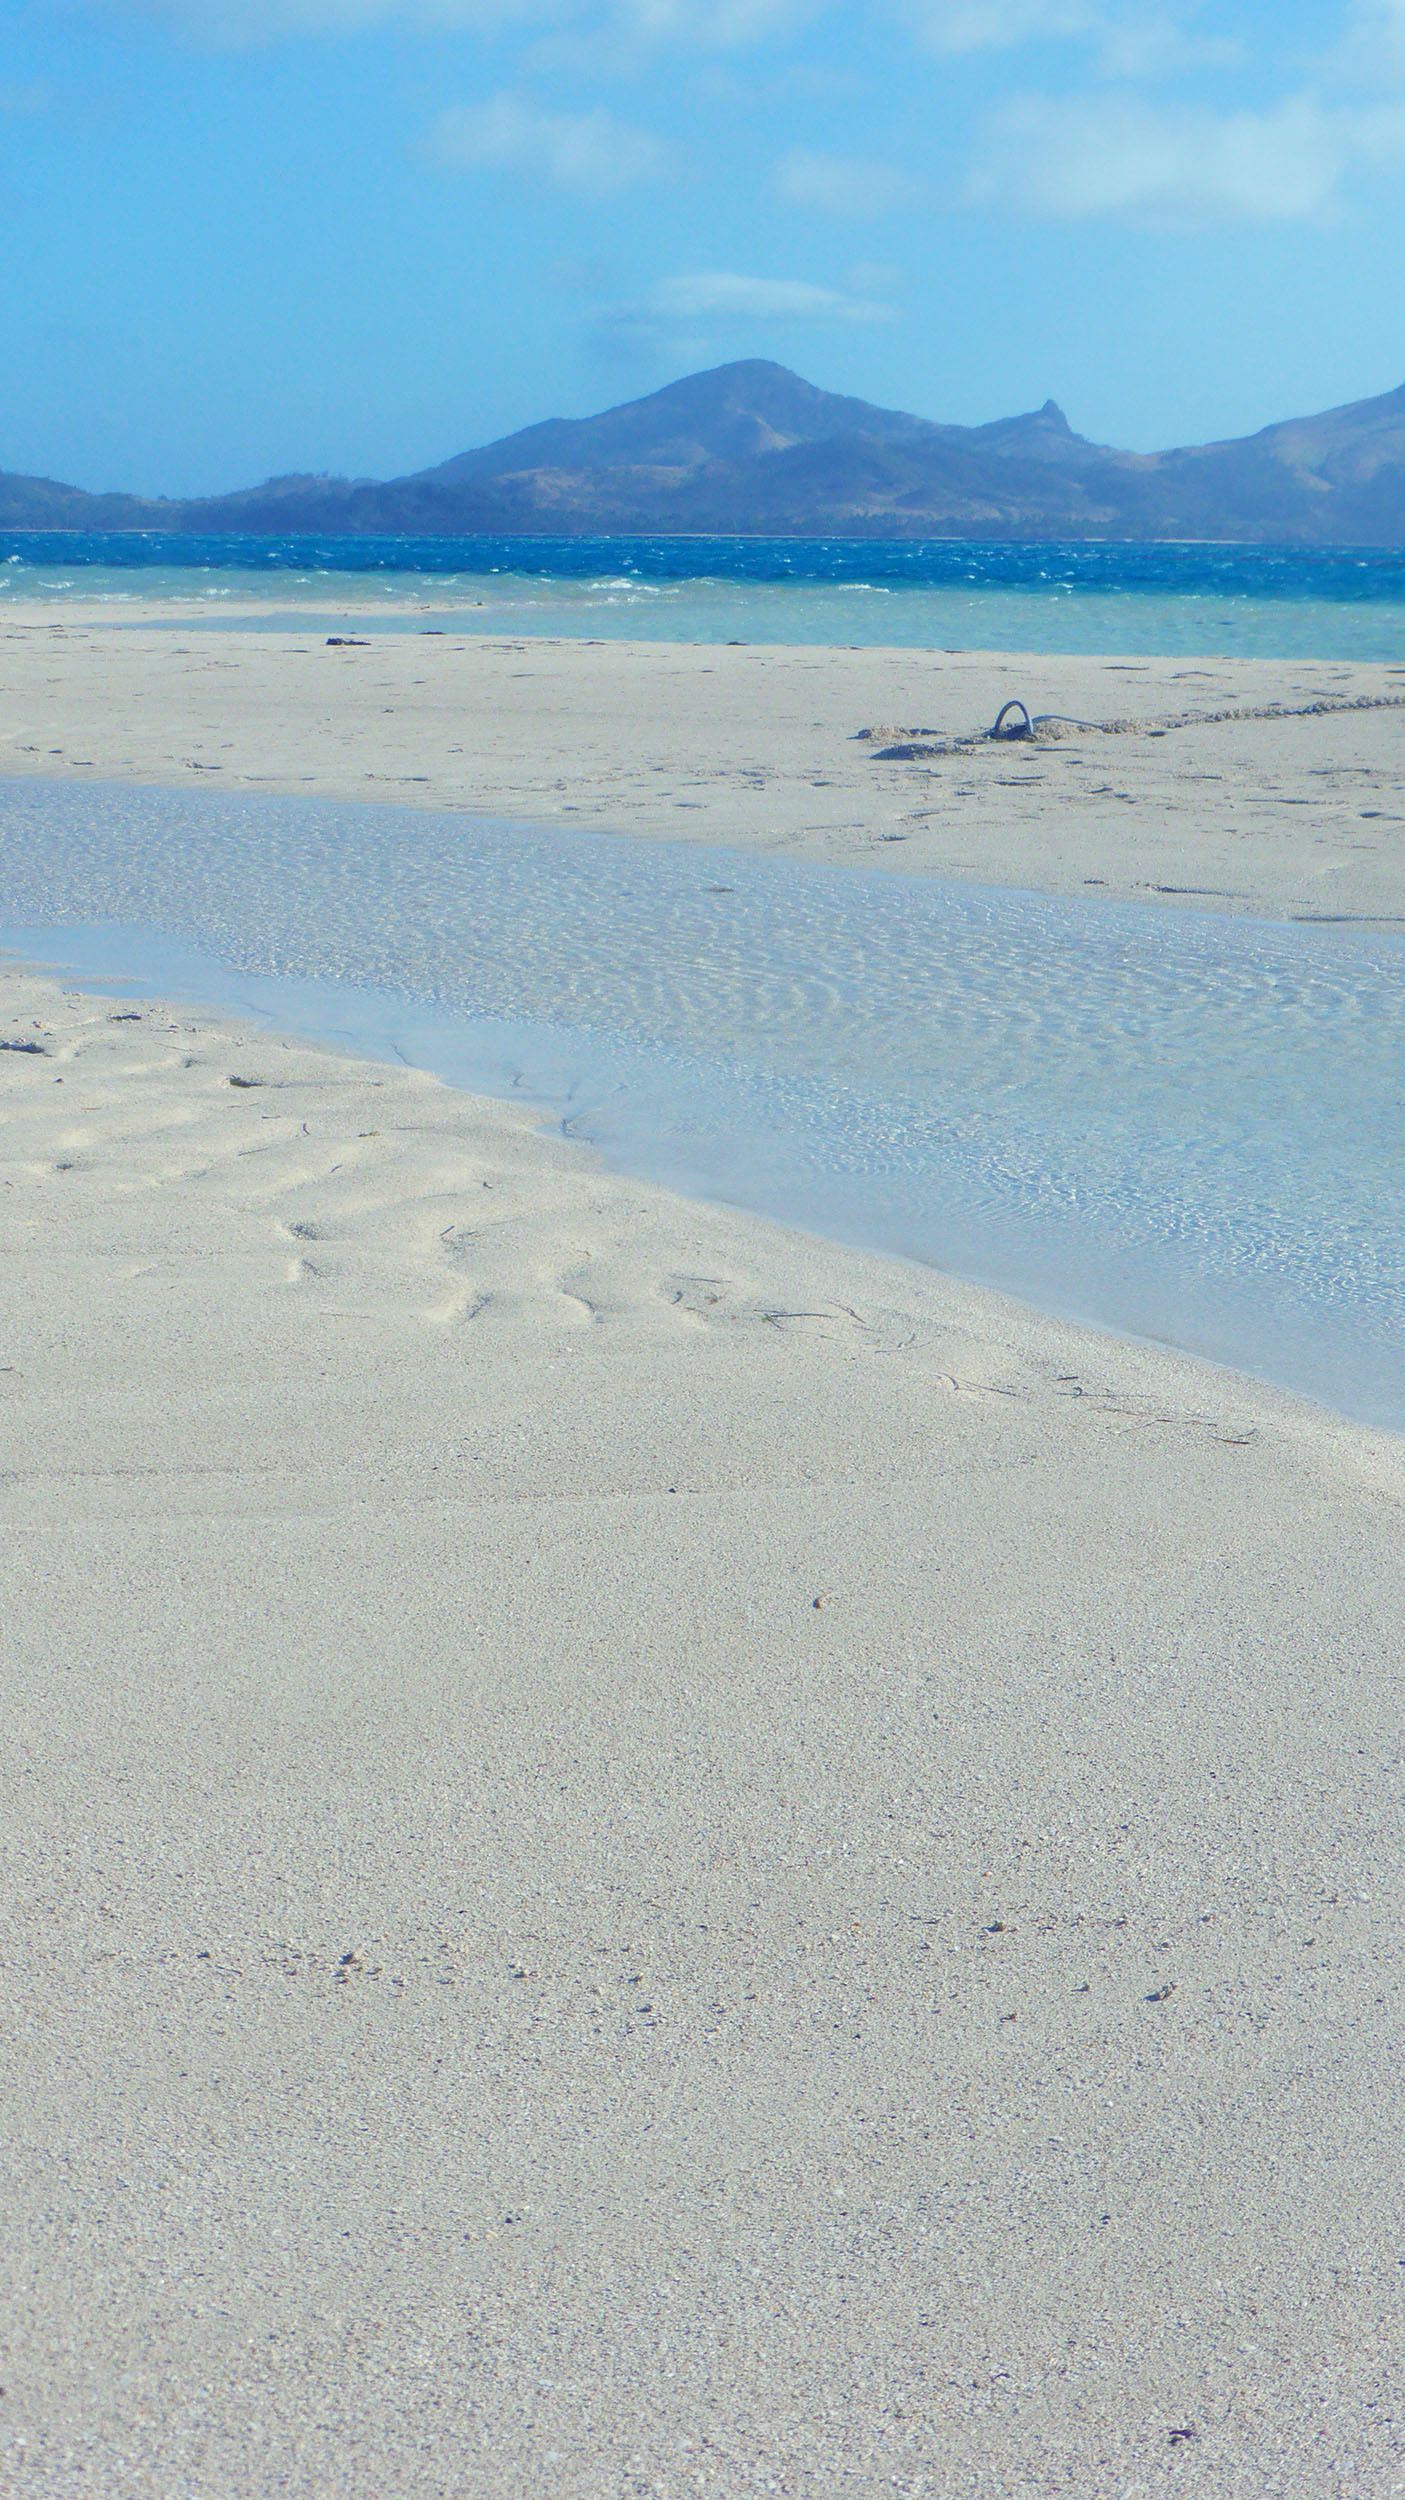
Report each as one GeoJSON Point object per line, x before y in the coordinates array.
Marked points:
{"type": "Point", "coordinates": [752, 449]}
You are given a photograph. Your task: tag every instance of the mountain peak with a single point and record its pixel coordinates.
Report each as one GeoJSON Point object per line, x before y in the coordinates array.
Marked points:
{"type": "Point", "coordinates": [731, 412]}
{"type": "Point", "coordinates": [751, 448]}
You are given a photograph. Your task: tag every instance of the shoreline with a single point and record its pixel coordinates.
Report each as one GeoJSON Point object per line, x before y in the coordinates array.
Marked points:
{"type": "Point", "coordinates": [761, 747]}
{"type": "Point", "coordinates": [693, 1845]}
{"type": "Point", "coordinates": [371, 1026]}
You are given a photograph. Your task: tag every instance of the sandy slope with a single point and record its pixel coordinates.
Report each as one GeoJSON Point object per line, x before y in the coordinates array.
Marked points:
{"type": "Point", "coordinates": [645, 1857]}
{"type": "Point", "coordinates": [1300, 816]}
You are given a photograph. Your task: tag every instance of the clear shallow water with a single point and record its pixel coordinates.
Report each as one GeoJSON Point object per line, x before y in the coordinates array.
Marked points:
{"type": "Point", "coordinates": [1242, 602]}
{"type": "Point", "coordinates": [1189, 1128]}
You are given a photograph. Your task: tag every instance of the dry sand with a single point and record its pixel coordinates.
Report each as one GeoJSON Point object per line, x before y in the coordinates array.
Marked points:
{"type": "Point", "coordinates": [1295, 817]}
{"type": "Point", "coordinates": [649, 1858]}
{"type": "Point", "coordinates": [645, 1857]}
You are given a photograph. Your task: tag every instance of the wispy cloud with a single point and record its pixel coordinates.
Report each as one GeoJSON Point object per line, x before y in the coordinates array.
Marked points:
{"type": "Point", "coordinates": [1374, 44]}
{"type": "Point", "coordinates": [618, 38]}
{"type": "Point", "coordinates": [1126, 38]}
{"type": "Point", "coordinates": [232, 23]}
{"type": "Point", "coordinates": [708, 25]}
{"type": "Point", "coordinates": [954, 26]}
{"type": "Point", "coordinates": [687, 315]}
{"type": "Point", "coordinates": [595, 152]}
{"type": "Point", "coordinates": [1154, 44]}
{"type": "Point", "coordinates": [1169, 164]}
{"type": "Point", "coordinates": [720, 295]}
{"type": "Point", "coordinates": [841, 186]}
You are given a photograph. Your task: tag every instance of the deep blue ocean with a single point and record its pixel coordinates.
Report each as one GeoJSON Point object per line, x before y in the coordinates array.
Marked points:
{"type": "Point", "coordinates": [1248, 602]}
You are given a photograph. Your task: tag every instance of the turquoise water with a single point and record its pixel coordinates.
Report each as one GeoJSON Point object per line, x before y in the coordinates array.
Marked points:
{"type": "Point", "coordinates": [1186, 1127]}
{"type": "Point", "coordinates": [1242, 602]}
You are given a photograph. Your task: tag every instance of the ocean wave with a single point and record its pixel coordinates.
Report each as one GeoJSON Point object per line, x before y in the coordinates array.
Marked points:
{"type": "Point", "coordinates": [1088, 596]}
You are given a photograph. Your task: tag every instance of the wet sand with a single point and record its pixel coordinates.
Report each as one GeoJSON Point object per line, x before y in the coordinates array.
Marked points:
{"type": "Point", "coordinates": [1295, 817]}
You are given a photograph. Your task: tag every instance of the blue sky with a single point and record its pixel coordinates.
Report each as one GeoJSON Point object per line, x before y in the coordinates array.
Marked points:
{"type": "Point", "coordinates": [244, 236]}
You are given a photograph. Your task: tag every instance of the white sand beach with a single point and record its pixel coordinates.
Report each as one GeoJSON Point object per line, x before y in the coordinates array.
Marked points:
{"type": "Point", "coordinates": [1296, 816]}
{"type": "Point", "coordinates": [646, 1856]}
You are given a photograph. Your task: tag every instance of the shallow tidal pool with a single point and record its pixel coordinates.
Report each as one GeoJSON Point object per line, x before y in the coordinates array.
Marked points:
{"type": "Point", "coordinates": [1188, 1127]}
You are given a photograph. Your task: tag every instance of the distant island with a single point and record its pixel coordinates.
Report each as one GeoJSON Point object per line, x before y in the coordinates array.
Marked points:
{"type": "Point", "coordinates": [752, 450]}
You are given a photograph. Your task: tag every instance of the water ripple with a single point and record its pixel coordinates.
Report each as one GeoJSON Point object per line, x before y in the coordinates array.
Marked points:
{"type": "Point", "coordinates": [1186, 1126]}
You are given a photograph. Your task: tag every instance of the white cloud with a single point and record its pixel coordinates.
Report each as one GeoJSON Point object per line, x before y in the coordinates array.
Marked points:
{"type": "Point", "coordinates": [239, 22]}
{"type": "Point", "coordinates": [841, 186]}
{"type": "Point", "coordinates": [1375, 41]}
{"type": "Point", "coordinates": [1150, 44]}
{"type": "Point", "coordinates": [1139, 39]}
{"type": "Point", "coordinates": [996, 25]}
{"type": "Point", "coordinates": [616, 38]}
{"type": "Point", "coordinates": [719, 295]}
{"type": "Point", "coordinates": [684, 316]}
{"type": "Point", "coordinates": [716, 25]}
{"type": "Point", "coordinates": [1121, 157]}
{"type": "Point", "coordinates": [591, 152]}
{"type": "Point", "coordinates": [711, 25]}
